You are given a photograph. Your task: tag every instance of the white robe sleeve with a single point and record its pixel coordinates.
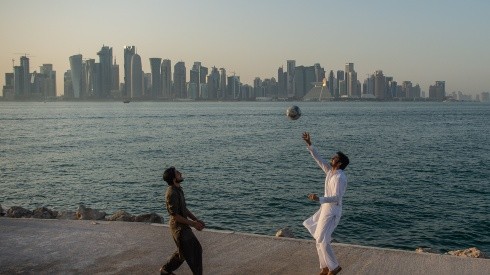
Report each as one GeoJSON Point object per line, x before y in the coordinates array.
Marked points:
{"type": "Point", "coordinates": [319, 160]}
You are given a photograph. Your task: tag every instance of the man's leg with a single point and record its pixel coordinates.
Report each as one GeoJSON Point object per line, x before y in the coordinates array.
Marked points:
{"type": "Point", "coordinates": [192, 251]}
{"type": "Point", "coordinates": [173, 262]}
{"type": "Point", "coordinates": [321, 255]}
{"type": "Point", "coordinates": [176, 260]}
{"type": "Point", "coordinates": [324, 247]}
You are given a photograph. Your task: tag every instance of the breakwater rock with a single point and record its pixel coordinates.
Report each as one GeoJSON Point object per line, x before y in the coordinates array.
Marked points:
{"type": "Point", "coordinates": [471, 252]}
{"type": "Point", "coordinates": [82, 213]}
{"type": "Point", "coordinates": [285, 232]}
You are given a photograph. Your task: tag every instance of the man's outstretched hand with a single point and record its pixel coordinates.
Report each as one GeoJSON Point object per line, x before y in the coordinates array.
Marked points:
{"type": "Point", "coordinates": [306, 138]}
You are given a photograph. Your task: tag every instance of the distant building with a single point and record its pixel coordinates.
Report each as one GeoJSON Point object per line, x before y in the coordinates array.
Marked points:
{"type": "Point", "coordinates": [115, 77]}
{"type": "Point", "coordinates": [379, 85]}
{"type": "Point", "coordinates": [282, 83]}
{"type": "Point", "coordinates": [48, 85]}
{"type": "Point", "coordinates": [351, 80]}
{"type": "Point", "coordinates": [156, 77]}
{"type": "Point", "coordinates": [76, 76]}
{"type": "Point", "coordinates": [291, 85]}
{"type": "Point", "coordinates": [166, 72]}
{"type": "Point", "coordinates": [180, 79]}
{"type": "Point", "coordinates": [222, 84]}
{"type": "Point", "coordinates": [136, 79]}
{"type": "Point", "coordinates": [105, 72]}
{"type": "Point", "coordinates": [68, 85]}
{"type": "Point", "coordinates": [339, 91]}
{"type": "Point", "coordinates": [129, 51]}
{"type": "Point", "coordinates": [437, 91]}
{"type": "Point", "coordinates": [8, 88]}
{"type": "Point", "coordinates": [213, 83]}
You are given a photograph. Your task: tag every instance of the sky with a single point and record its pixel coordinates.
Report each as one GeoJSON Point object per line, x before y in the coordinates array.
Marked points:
{"type": "Point", "coordinates": [421, 41]}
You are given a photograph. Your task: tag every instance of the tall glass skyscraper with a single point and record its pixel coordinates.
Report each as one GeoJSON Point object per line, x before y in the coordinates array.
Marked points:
{"type": "Point", "coordinates": [136, 77]}
{"type": "Point", "coordinates": [166, 78]}
{"type": "Point", "coordinates": [105, 71]}
{"type": "Point", "coordinates": [180, 79]}
{"type": "Point", "coordinates": [156, 77]}
{"type": "Point", "coordinates": [290, 86]}
{"type": "Point", "coordinates": [129, 51]}
{"type": "Point", "coordinates": [76, 74]}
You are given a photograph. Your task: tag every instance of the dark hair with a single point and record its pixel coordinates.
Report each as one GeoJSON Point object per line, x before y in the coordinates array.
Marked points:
{"type": "Point", "coordinates": [343, 159]}
{"type": "Point", "coordinates": [169, 175]}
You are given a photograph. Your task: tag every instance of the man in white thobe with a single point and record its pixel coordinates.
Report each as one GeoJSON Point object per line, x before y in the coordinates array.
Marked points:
{"type": "Point", "coordinates": [322, 224]}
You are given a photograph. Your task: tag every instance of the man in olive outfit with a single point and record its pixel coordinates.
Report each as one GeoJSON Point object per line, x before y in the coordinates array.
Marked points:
{"type": "Point", "coordinates": [181, 219]}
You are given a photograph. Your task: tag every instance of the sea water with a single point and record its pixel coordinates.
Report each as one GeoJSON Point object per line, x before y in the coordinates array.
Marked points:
{"type": "Point", "coordinates": [419, 172]}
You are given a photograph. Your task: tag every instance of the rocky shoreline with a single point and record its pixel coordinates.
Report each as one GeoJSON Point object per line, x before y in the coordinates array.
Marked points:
{"type": "Point", "coordinates": [86, 213]}
{"type": "Point", "coordinates": [82, 213]}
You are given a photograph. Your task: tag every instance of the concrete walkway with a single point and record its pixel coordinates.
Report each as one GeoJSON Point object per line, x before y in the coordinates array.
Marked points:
{"type": "Point", "coordinates": [31, 246]}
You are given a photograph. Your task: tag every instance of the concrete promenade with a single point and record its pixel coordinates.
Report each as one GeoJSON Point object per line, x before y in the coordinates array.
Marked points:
{"type": "Point", "coordinates": [32, 246]}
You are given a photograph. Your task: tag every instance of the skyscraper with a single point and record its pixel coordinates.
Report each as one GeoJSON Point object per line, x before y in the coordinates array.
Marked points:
{"type": "Point", "coordinates": [222, 83]}
{"type": "Point", "coordinates": [195, 80]}
{"type": "Point", "coordinates": [213, 83]}
{"type": "Point", "coordinates": [282, 82]}
{"type": "Point", "coordinates": [105, 71]}
{"type": "Point", "coordinates": [22, 84]}
{"type": "Point", "coordinates": [136, 77]}
{"type": "Point", "coordinates": [299, 82]}
{"type": "Point", "coordinates": [166, 78]}
{"type": "Point", "coordinates": [340, 77]}
{"type": "Point", "coordinates": [290, 87]}
{"type": "Point", "coordinates": [331, 83]}
{"type": "Point", "coordinates": [437, 91]}
{"type": "Point", "coordinates": [88, 79]}
{"type": "Point", "coordinates": [129, 51]}
{"type": "Point", "coordinates": [351, 80]}
{"type": "Point", "coordinates": [49, 77]}
{"type": "Point", "coordinates": [180, 79]}
{"type": "Point", "coordinates": [156, 77]}
{"type": "Point", "coordinates": [115, 76]}
{"type": "Point", "coordinates": [379, 85]}
{"type": "Point", "coordinates": [76, 74]}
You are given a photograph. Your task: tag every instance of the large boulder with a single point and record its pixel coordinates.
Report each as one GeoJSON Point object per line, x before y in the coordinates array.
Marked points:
{"type": "Point", "coordinates": [85, 213]}
{"type": "Point", "coordinates": [18, 212]}
{"type": "Point", "coordinates": [150, 218]}
{"type": "Point", "coordinates": [285, 232]}
{"type": "Point", "coordinates": [67, 215]}
{"type": "Point", "coordinates": [426, 250]}
{"type": "Point", "coordinates": [43, 213]}
{"type": "Point", "coordinates": [121, 215]}
{"type": "Point", "coordinates": [472, 252]}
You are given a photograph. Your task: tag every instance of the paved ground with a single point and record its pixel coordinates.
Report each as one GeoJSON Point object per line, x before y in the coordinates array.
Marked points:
{"type": "Point", "coordinates": [29, 246]}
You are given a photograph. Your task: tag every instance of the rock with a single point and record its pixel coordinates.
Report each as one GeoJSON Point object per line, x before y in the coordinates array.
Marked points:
{"type": "Point", "coordinates": [151, 218]}
{"type": "Point", "coordinates": [121, 215]}
{"type": "Point", "coordinates": [426, 250]}
{"type": "Point", "coordinates": [18, 212]}
{"type": "Point", "coordinates": [285, 232]}
{"type": "Point", "coordinates": [1, 210]}
{"type": "Point", "coordinates": [472, 252]}
{"type": "Point", "coordinates": [43, 213]}
{"type": "Point", "coordinates": [66, 215]}
{"type": "Point", "coordinates": [85, 213]}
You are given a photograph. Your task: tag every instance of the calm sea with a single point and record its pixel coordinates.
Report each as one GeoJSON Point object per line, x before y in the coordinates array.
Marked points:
{"type": "Point", "coordinates": [419, 172]}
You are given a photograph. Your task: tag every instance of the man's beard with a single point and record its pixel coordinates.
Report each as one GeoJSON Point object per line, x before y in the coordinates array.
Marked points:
{"type": "Point", "coordinates": [179, 180]}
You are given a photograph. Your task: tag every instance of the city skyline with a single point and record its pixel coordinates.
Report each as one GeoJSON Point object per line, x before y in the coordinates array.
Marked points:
{"type": "Point", "coordinates": [421, 42]}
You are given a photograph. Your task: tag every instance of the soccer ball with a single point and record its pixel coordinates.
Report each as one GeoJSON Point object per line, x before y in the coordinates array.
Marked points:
{"type": "Point", "coordinates": [293, 112]}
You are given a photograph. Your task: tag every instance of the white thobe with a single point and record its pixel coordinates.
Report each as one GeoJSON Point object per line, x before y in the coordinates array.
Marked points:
{"type": "Point", "coordinates": [322, 224]}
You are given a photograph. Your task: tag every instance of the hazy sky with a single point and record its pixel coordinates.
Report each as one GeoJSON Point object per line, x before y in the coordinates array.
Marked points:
{"type": "Point", "coordinates": [417, 40]}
